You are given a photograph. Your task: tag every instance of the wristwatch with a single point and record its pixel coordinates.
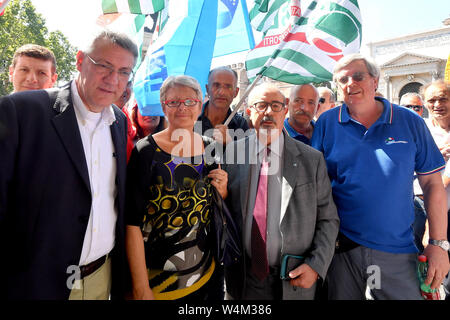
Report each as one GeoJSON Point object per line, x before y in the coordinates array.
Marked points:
{"type": "Point", "coordinates": [444, 244]}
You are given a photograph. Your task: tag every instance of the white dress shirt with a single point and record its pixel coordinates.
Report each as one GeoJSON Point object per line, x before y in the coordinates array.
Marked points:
{"type": "Point", "coordinates": [101, 163]}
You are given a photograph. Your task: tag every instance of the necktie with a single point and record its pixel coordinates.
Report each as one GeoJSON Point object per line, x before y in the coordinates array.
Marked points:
{"type": "Point", "coordinates": [259, 263]}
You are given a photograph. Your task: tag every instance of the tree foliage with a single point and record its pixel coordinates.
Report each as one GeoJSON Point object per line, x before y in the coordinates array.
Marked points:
{"type": "Point", "coordinates": [21, 24]}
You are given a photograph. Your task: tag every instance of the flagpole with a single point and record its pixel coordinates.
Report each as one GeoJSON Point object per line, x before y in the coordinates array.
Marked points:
{"type": "Point", "coordinates": [244, 96]}
{"type": "Point", "coordinates": [258, 77]}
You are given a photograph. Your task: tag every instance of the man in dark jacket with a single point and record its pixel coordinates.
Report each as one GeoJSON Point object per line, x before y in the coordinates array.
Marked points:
{"type": "Point", "coordinates": [62, 178]}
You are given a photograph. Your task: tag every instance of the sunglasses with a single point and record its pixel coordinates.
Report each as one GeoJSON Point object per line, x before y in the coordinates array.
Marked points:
{"type": "Point", "coordinates": [415, 108]}
{"type": "Point", "coordinates": [357, 77]}
{"type": "Point", "coordinates": [322, 100]}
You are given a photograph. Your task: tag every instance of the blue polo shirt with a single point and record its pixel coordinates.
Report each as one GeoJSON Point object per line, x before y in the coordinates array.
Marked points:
{"type": "Point", "coordinates": [296, 135]}
{"type": "Point", "coordinates": [371, 172]}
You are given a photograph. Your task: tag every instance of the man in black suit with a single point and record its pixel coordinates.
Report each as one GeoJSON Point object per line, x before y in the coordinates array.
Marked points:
{"type": "Point", "coordinates": [62, 177]}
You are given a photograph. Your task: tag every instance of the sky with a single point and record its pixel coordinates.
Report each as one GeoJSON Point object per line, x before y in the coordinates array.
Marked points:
{"type": "Point", "coordinates": [382, 19]}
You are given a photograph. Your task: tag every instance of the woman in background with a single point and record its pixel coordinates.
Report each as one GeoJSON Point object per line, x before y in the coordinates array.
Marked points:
{"type": "Point", "coordinates": [145, 125]}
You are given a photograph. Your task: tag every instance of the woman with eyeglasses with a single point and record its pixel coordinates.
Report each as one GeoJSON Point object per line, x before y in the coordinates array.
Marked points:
{"type": "Point", "coordinates": [169, 193]}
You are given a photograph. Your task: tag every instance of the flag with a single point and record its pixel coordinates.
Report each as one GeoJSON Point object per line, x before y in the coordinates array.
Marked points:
{"type": "Point", "coordinates": [132, 6]}
{"type": "Point", "coordinates": [317, 35]}
{"type": "Point", "coordinates": [130, 24]}
{"type": "Point", "coordinates": [185, 46]}
{"type": "Point", "coordinates": [234, 32]}
{"type": "Point", "coordinates": [266, 14]}
{"type": "Point", "coordinates": [163, 16]}
{"type": "Point", "coordinates": [3, 4]}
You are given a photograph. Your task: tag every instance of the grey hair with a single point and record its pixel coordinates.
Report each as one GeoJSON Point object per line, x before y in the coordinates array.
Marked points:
{"type": "Point", "coordinates": [257, 90]}
{"type": "Point", "coordinates": [113, 37]}
{"type": "Point", "coordinates": [372, 67]}
{"type": "Point", "coordinates": [437, 83]}
{"type": "Point", "coordinates": [294, 90]}
{"type": "Point", "coordinates": [330, 92]}
{"type": "Point", "coordinates": [180, 80]}
{"type": "Point", "coordinates": [409, 95]}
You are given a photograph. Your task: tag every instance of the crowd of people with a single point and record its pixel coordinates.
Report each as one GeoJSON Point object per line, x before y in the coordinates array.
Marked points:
{"type": "Point", "coordinates": [99, 201]}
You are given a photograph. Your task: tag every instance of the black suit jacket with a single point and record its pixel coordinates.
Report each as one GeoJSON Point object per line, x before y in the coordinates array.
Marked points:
{"type": "Point", "coordinates": [45, 197]}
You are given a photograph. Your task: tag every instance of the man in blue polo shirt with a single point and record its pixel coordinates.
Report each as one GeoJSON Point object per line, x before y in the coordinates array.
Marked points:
{"type": "Point", "coordinates": [372, 149]}
{"type": "Point", "coordinates": [302, 106]}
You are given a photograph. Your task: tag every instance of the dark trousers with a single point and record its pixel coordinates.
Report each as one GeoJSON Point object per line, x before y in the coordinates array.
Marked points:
{"type": "Point", "coordinates": [386, 276]}
{"type": "Point", "coordinates": [268, 289]}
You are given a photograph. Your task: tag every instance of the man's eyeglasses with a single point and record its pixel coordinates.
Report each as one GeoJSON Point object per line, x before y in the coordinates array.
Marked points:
{"type": "Point", "coordinates": [106, 70]}
{"type": "Point", "coordinates": [177, 103]}
{"type": "Point", "coordinates": [357, 76]}
{"type": "Point", "coordinates": [322, 100]}
{"type": "Point", "coordinates": [414, 107]}
{"type": "Point", "coordinates": [262, 106]}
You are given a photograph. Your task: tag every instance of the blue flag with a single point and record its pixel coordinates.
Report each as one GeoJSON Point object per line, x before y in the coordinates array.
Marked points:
{"type": "Point", "coordinates": [185, 46]}
{"type": "Point", "coordinates": [234, 32]}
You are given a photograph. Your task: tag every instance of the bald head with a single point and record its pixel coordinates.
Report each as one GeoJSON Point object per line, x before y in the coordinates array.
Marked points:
{"type": "Point", "coordinates": [302, 105]}
{"type": "Point", "coordinates": [260, 89]}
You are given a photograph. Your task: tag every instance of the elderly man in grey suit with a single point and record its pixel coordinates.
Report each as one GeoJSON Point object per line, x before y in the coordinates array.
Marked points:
{"type": "Point", "coordinates": [299, 217]}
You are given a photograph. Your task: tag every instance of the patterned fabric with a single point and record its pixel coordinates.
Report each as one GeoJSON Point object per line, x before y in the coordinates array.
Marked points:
{"type": "Point", "coordinates": [176, 223]}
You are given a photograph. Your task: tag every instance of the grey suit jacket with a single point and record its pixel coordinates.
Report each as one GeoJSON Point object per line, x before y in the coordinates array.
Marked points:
{"type": "Point", "coordinates": [309, 222]}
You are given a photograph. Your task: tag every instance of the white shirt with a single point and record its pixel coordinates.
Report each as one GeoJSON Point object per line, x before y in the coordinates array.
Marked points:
{"type": "Point", "coordinates": [101, 163]}
{"type": "Point", "coordinates": [441, 137]}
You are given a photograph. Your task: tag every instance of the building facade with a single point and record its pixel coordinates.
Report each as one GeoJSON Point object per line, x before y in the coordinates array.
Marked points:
{"type": "Point", "coordinates": [411, 61]}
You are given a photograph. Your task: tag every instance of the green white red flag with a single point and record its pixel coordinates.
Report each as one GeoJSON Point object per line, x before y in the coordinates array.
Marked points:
{"type": "Point", "coordinates": [3, 4]}
{"type": "Point", "coordinates": [305, 47]}
{"type": "Point", "coordinates": [266, 14]}
{"type": "Point", "coordinates": [132, 6]}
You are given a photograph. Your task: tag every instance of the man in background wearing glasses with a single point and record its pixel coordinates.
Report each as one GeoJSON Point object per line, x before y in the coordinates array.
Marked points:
{"type": "Point", "coordinates": [298, 218]}
{"type": "Point", "coordinates": [412, 101]}
{"type": "Point", "coordinates": [372, 149]}
{"type": "Point", "coordinates": [62, 181]}
{"type": "Point", "coordinates": [327, 101]}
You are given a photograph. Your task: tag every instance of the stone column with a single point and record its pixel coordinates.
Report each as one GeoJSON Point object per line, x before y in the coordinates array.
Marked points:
{"type": "Point", "coordinates": [434, 75]}
{"type": "Point", "coordinates": [388, 91]}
